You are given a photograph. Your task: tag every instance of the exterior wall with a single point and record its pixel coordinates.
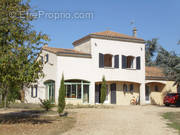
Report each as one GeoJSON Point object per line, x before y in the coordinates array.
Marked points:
{"type": "Point", "coordinates": [75, 68]}
{"type": "Point", "coordinates": [157, 97]}
{"type": "Point", "coordinates": [88, 69]}
{"type": "Point", "coordinates": [84, 47]}
{"type": "Point", "coordinates": [50, 70]}
{"type": "Point", "coordinates": [125, 98]}
{"type": "Point", "coordinates": [118, 48]}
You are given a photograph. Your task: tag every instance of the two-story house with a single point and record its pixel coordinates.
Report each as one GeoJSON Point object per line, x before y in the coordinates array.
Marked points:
{"type": "Point", "coordinates": [118, 57]}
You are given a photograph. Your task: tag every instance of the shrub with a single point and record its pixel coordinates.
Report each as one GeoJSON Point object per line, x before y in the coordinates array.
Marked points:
{"type": "Point", "coordinates": [61, 99]}
{"type": "Point", "coordinates": [46, 104]}
{"type": "Point", "coordinates": [103, 90]}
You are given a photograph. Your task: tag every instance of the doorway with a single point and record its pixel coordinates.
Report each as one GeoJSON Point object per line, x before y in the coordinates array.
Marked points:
{"type": "Point", "coordinates": [113, 93]}
{"type": "Point", "coordinates": [147, 94]}
{"type": "Point", "coordinates": [50, 90]}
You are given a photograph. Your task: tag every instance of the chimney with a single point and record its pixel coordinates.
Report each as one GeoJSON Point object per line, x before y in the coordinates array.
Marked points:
{"type": "Point", "coordinates": [134, 32]}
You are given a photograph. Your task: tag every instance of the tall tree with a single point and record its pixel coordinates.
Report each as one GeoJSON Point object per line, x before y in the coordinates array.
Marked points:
{"type": "Point", "coordinates": [103, 90]}
{"type": "Point", "coordinates": [19, 46]}
{"type": "Point", "coordinates": [169, 61]}
{"type": "Point", "coordinates": [151, 48]}
{"type": "Point", "coordinates": [61, 99]}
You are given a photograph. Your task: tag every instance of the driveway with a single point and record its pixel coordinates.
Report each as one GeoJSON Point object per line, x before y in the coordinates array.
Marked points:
{"type": "Point", "coordinates": [122, 120]}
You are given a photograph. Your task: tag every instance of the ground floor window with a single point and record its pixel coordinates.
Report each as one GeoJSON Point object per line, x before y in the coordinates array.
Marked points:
{"type": "Point", "coordinates": [34, 91]}
{"type": "Point", "coordinates": [50, 90]}
{"type": "Point", "coordinates": [77, 89]}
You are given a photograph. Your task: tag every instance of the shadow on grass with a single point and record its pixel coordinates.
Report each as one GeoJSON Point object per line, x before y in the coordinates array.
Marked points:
{"type": "Point", "coordinates": [28, 116]}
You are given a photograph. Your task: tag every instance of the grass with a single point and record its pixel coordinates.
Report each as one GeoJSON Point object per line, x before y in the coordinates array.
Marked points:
{"type": "Point", "coordinates": [174, 120]}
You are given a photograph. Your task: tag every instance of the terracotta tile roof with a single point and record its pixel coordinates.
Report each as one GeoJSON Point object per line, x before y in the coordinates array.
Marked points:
{"type": "Point", "coordinates": [65, 52]}
{"type": "Point", "coordinates": [154, 72]}
{"type": "Point", "coordinates": [114, 34]}
{"type": "Point", "coordinates": [110, 35]}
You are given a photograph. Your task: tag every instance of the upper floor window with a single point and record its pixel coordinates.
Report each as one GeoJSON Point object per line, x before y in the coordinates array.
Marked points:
{"type": "Point", "coordinates": [46, 58]}
{"type": "Point", "coordinates": [131, 62]}
{"type": "Point", "coordinates": [108, 60]}
{"type": "Point", "coordinates": [42, 60]}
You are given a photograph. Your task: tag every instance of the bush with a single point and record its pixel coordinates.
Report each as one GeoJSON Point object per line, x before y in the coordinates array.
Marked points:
{"type": "Point", "coordinates": [61, 99]}
{"type": "Point", "coordinates": [46, 104]}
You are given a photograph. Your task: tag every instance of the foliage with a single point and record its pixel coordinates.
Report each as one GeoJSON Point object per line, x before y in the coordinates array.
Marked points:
{"type": "Point", "coordinates": [174, 119]}
{"type": "Point", "coordinates": [61, 98]}
{"type": "Point", "coordinates": [19, 46]}
{"type": "Point", "coordinates": [151, 48]}
{"type": "Point", "coordinates": [103, 90]}
{"type": "Point", "coordinates": [169, 61]}
{"type": "Point", "coordinates": [46, 104]}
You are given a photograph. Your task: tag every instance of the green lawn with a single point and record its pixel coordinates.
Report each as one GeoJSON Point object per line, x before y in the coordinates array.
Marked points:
{"type": "Point", "coordinates": [174, 119]}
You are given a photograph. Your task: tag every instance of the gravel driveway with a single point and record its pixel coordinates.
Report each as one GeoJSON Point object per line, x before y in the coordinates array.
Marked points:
{"type": "Point", "coordinates": [122, 120]}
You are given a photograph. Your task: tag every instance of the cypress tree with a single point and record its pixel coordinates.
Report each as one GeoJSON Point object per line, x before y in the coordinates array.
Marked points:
{"type": "Point", "coordinates": [61, 99]}
{"type": "Point", "coordinates": [103, 90]}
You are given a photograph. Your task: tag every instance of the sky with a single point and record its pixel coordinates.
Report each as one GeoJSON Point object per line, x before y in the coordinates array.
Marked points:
{"type": "Point", "coordinates": [152, 18]}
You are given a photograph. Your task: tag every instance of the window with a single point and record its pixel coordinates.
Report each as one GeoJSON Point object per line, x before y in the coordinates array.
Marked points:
{"type": "Point", "coordinates": [107, 60]}
{"type": "Point", "coordinates": [42, 59]}
{"type": "Point", "coordinates": [74, 88]}
{"type": "Point", "coordinates": [156, 88]}
{"type": "Point", "coordinates": [130, 62]}
{"type": "Point", "coordinates": [34, 91]}
{"type": "Point", "coordinates": [46, 58]}
{"type": "Point", "coordinates": [79, 91]}
{"type": "Point", "coordinates": [131, 88]}
{"type": "Point", "coordinates": [125, 88]}
{"type": "Point", "coordinates": [68, 91]}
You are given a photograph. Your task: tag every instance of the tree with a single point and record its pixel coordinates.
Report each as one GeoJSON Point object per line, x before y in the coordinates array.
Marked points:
{"type": "Point", "coordinates": [169, 61]}
{"type": "Point", "coordinates": [103, 90]}
{"type": "Point", "coordinates": [61, 99]}
{"type": "Point", "coordinates": [19, 46]}
{"type": "Point", "coordinates": [151, 48]}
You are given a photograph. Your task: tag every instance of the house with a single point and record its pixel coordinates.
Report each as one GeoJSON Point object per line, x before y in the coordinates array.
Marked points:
{"type": "Point", "coordinates": [118, 57]}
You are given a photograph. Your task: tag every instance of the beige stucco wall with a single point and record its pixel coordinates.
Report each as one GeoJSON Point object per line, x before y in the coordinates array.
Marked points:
{"type": "Point", "coordinates": [157, 97]}
{"type": "Point", "coordinates": [124, 98]}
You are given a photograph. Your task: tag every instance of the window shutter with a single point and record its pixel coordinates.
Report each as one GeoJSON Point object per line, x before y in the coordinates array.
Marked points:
{"type": "Point", "coordinates": [31, 91]}
{"type": "Point", "coordinates": [138, 62]}
{"type": "Point", "coordinates": [101, 60]}
{"type": "Point", "coordinates": [36, 90]}
{"type": "Point", "coordinates": [124, 62]}
{"type": "Point", "coordinates": [116, 61]}
{"type": "Point", "coordinates": [47, 58]}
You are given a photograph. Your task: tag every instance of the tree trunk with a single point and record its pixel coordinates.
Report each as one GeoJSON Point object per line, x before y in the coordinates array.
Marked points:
{"type": "Point", "coordinates": [22, 94]}
{"type": "Point", "coordinates": [5, 101]}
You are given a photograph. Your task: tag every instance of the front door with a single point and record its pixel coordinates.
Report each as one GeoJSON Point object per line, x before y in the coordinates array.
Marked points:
{"type": "Point", "coordinates": [113, 93]}
{"type": "Point", "coordinates": [147, 93]}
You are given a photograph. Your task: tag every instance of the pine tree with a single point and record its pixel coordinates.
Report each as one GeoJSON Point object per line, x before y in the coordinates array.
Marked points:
{"type": "Point", "coordinates": [103, 90]}
{"type": "Point", "coordinates": [61, 99]}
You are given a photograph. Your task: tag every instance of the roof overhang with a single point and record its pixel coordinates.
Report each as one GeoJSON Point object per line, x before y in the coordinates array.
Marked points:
{"type": "Point", "coordinates": [108, 38]}
{"type": "Point", "coordinates": [74, 55]}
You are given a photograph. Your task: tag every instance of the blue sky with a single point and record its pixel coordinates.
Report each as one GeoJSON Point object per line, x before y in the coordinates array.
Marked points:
{"type": "Point", "coordinates": [153, 19]}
